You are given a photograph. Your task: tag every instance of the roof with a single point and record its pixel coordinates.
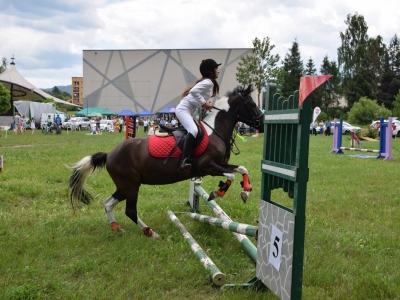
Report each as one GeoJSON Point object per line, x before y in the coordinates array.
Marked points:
{"type": "Point", "coordinates": [23, 89]}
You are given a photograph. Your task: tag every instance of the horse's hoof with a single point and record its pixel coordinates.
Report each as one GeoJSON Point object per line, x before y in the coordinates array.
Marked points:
{"type": "Point", "coordinates": [244, 195]}
{"type": "Point", "coordinates": [115, 226]}
{"type": "Point", "coordinates": [150, 233]}
{"type": "Point", "coordinates": [213, 195]}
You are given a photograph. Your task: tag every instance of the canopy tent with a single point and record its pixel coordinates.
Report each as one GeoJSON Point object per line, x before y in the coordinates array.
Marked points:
{"type": "Point", "coordinates": [34, 110]}
{"type": "Point", "coordinates": [88, 110]}
{"type": "Point", "coordinates": [21, 89]}
{"type": "Point", "coordinates": [126, 112]}
{"type": "Point", "coordinates": [167, 110]}
{"type": "Point", "coordinates": [108, 112]}
{"type": "Point", "coordinates": [94, 114]}
{"type": "Point", "coordinates": [144, 113]}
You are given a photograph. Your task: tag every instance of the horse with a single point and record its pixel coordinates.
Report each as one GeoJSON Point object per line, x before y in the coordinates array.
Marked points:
{"type": "Point", "coordinates": [129, 164]}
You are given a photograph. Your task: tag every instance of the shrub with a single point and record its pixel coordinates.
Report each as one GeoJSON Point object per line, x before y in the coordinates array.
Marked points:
{"type": "Point", "coordinates": [367, 110]}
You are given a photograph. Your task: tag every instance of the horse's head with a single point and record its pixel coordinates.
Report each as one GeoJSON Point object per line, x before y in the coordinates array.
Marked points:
{"type": "Point", "coordinates": [243, 106]}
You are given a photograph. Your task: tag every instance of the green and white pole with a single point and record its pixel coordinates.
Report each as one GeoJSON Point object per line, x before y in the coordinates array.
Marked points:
{"type": "Point", "coordinates": [241, 228]}
{"type": "Point", "coordinates": [217, 276]}
{"type": "Point", "coordinates": [247, 245]}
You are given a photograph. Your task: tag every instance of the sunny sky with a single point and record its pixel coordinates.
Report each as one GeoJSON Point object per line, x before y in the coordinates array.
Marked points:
{"type": "Point", "coordinates": [47, 36]}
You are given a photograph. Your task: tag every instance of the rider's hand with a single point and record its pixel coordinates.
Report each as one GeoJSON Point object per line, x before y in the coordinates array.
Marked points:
{"type": "Point", "coordinates": [207, 106]}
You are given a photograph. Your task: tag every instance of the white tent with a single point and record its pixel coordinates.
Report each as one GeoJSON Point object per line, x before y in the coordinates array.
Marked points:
{"type": "Point", "coordinates": [21, 89]}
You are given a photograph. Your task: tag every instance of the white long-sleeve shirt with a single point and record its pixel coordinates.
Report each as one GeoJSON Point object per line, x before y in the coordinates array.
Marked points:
{"type": "Point", "coordinates": [198, 95]}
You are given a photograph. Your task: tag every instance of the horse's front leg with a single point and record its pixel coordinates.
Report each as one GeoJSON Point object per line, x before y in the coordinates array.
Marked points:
{"type": "Point", "coordinates": [245, 183]}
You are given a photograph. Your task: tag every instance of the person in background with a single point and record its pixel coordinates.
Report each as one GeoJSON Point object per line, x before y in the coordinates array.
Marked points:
{"type": "Point", "coordinates": [23, 124]}
{"type": "Point", "coordinates": [315, 125]}
{"type": "Point", "coordinates": [73, 124]}
{"type": "Point", "coordinates": [328, 126]}
{"type": "Point", "coordinates": [145, 125]}
{"type": "Point", "coordinates": [174, 122]}
{"type": "Point", "coordinates": [193, 97]}
{"type": "Point", "coordinates": [394, 127]}
{"type": "Point", "coordinates": [33, 125]}
{"type": "Point", "coordinates": [163, 122]}
{"type": "Point", "coordinates": [117, 125]}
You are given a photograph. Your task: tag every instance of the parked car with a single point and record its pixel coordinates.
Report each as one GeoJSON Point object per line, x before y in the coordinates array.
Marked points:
{"type": "Point", "coordinates": [397, 122]}
{"type": "Point", "coordinates": [81, 123]}
{"type": "Point", "coordinates": [347, 128]}
{"type": "Point", "coordinates": [105, 124]}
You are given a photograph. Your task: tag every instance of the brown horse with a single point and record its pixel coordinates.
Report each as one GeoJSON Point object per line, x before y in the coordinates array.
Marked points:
{"type": "Point", "coordinates": [130, 164]}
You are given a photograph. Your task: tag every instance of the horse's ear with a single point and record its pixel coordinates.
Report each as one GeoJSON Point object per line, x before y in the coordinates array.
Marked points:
{"type": "Point", "coordinates": [249, 90]}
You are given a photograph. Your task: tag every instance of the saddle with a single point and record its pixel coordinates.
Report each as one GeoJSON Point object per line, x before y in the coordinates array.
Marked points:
{"type": "Point", "coordinates": [171, 144]}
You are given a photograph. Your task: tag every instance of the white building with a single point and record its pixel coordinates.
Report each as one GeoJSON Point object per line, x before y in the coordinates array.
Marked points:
{"type": "Point", "coordinates": [150, 79]}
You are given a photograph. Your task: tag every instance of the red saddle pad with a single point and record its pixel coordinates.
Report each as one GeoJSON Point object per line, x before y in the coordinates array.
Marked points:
{"type": "Point", "coordinates": [162, 146]}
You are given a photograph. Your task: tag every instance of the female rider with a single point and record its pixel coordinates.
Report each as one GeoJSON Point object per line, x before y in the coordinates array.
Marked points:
{"type": "Point", "coordinates": [196, 96]}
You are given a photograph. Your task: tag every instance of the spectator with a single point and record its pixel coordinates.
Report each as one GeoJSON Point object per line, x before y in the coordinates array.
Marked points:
{"type": "Point", "coordinates": [315, 125]}
{"type": "Point", "coordinates": [145, 125]}
{"type": "Point", "coordinates": [23, 124]}
{"type": "Point", "coordinates": [33, 125]}
{"type": "Point", "coordinates": [174, 122]}
{"type": "Point", "coordinates": [98, 119]}
{"type": "Point", "coordinates": [73, 124]}
{"type": "Point", "coordinates": [394, 127]}
{"type": "Point", "coordinates": [328, 126]}
{"type": "Point", "coordinates": [163, 122]}
{"type": "Point", "coordinates": [17, 123]}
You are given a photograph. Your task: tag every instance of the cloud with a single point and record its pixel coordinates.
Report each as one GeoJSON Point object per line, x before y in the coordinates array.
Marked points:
{"type": "Point", "coordinates": [49, 35]}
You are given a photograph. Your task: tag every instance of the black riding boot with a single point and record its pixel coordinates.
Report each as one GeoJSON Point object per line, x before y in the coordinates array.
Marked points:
{"type": "Point", "coordinates": [185, 163]}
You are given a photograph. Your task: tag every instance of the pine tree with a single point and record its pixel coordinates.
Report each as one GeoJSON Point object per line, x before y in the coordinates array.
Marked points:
{"type": "Point", "coordinates": [350, 58]}
{"type": "Point", "coordinates": [293, 70]}
{"type": "Point", "coordinates": [331, 90]}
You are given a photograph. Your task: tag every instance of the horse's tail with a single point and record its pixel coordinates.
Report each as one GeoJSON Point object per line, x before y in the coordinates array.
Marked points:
{"type": "Point", "coordinates": [81, 171]}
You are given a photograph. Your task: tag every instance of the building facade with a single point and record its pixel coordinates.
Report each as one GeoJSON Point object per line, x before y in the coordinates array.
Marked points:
{"type": "Point", "coordinates": [150, 79]}
{"type": "Point", "coordinates": [77, 90]}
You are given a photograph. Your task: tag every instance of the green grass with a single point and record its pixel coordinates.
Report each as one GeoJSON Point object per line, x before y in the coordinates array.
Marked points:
{"type": "Point", "coordinates": [48, 252]}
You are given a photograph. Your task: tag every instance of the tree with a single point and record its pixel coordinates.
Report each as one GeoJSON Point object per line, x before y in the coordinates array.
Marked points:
{"type": "Point", "coordinates": [5, 99]}
{"type": "Point", "coordinates": [293, 70]}
{"type": "Point", "coordinates": [260, 67]}
{"type": "Point", "coordinates": [316, 96]}
{"type": "Point", "coordinates": [310, 68]}
{"type": "Point", "coordinates": [350, 57]}
{"type": "Point", "coordinates": [396, 106]}
{"type": "Point", "coordinates": [331, 90]}
{"type": "Point", "coordinates": [3, 66]}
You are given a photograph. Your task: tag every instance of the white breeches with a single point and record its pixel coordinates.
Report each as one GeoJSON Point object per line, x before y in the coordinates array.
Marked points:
{"type": "Point", "coordinates": [186, 119]}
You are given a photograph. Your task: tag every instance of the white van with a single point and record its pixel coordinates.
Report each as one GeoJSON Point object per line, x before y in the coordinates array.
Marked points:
{"type": "Point", "coordinates": [44, 117]}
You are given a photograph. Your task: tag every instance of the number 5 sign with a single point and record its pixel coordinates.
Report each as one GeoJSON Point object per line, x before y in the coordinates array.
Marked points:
{"type": "Point", "coordinates": [275, 248]}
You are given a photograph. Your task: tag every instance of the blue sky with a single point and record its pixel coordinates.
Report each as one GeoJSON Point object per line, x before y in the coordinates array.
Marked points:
{"type": "Point", "coordinates": [47, 37]}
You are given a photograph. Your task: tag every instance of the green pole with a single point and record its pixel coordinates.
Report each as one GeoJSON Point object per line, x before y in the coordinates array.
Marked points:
{"type": "Point", "coordinates": [247, 245]}
{"type": "Point", "coordinates": [241, 228]}
{"type": "Point", "coordinates": [217, 276]}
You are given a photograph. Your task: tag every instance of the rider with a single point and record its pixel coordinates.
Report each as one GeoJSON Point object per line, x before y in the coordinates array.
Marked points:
{"type": "Point", "coordinates": [196, 96]}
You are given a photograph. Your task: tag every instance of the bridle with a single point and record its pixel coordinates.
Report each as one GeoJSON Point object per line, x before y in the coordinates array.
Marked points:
{"type": "Point", "coordinates": [254, 122]}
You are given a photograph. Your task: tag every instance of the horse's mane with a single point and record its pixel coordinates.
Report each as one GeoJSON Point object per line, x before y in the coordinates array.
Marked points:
{"type": "Point", "coordinates": [240, 90]}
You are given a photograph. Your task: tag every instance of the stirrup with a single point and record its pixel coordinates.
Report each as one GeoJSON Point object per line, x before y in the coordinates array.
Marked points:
{"type": "Point", "coordinates": [185, 166]}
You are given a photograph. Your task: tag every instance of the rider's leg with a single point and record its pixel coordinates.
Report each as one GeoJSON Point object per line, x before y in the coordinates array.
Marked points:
{"type": "Point", "coordinates": [187, 121]}
{"type": "Point", "coordinates": [185, 163]}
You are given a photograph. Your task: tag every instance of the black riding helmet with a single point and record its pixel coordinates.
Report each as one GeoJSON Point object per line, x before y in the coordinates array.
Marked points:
{"type": "Point", "coordinates": [207, 67]}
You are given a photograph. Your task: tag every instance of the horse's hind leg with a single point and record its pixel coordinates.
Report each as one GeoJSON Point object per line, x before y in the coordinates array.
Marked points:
{"type": "Point", "coordinates": [109, 205]}
{"type": "Point", "coordinates": [131, 212]}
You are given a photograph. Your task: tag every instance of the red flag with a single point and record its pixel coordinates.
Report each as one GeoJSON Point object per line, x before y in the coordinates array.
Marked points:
{"type": "Point", "coordinates": [308, 84]}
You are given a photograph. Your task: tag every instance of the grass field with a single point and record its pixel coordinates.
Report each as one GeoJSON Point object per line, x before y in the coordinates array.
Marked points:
{"type": "Point", "coordinates": [48, 252]}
